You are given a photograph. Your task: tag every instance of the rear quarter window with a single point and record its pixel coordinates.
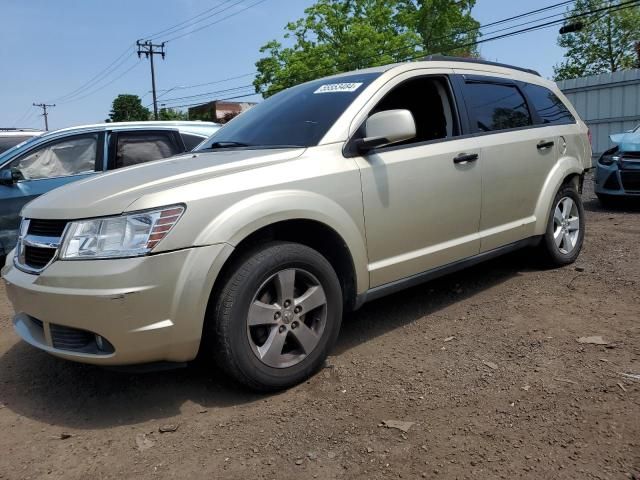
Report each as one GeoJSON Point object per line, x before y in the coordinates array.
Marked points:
{"type": "Point", "coordinates": [191, 141]}
{"type": "Point", "coordinates": [549, 107]}
{"type": "Point", "coordinates": [494, 107]}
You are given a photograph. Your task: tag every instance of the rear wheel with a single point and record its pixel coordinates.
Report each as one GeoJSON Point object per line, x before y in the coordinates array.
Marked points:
{"type": "Point", "coordinates": [565, 228]}
{"type": "Point", "coordinates": [276, 317]}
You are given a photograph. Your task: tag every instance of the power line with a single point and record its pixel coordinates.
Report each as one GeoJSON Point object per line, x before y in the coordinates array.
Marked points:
{"type": "Point", "coordinates": [97, 77]}
{"type": "Point", "coordinates": [216, 92]}
{"type": "Point", "coordinates": [528, 14]}
{"type": "Point", "coordinates": [121, 59]}
{"type": "Point", "coordinates": [185, 87]}
{"type": "Point", "coordinates": [609, 9]}
{"type": "Point", "coordinates": [217, 100]}
{"type": "Point", "coordinates": [497, 22]}
{"type": "Point", "coordinates": [417, 55]}
{"type": "Point", "coordinates": [23, 118]}
{"type": "Point", "coordinates": [217, 21]}
{"type": "Point", "coordinates": [370, 58]}
{"type": "Point", "coordinates": [103, 86]}
{"type": "Point", "coordinates": [174, 29]}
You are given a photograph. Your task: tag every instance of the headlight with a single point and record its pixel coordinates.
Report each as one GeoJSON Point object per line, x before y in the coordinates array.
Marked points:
{"type": "Point", "coordinates": [130, 235]}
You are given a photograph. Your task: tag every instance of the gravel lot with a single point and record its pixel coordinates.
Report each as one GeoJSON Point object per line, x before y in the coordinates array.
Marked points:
{"type": "Point", "coordinates": [484, 364]}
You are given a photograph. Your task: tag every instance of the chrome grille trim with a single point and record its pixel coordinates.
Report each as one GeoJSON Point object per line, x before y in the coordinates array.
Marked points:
{"type": "Point", "coordinates": [26, 239]}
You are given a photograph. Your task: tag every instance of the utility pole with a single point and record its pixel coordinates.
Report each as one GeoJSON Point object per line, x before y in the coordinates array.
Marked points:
{"type": "Point", "coordinates": [44, 106]}
{"type": "Point", "coordinates": [147, 47]}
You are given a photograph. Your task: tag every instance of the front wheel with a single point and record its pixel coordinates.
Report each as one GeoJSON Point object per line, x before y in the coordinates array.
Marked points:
{"type": "Point", "coordinates": [565, 228]}
{"type": "Point", "coordinates": [276, 317]}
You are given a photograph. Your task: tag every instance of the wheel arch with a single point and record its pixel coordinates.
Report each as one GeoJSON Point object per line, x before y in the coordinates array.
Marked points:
{"type": "Point", "coordinates": [302, 217]}
{"type": "Point", "coordinates": [566, 170]}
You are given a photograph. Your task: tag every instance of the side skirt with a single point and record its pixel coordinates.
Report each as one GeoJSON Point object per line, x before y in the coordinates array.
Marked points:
{"type": "Point", "coordinates": [408, 282]}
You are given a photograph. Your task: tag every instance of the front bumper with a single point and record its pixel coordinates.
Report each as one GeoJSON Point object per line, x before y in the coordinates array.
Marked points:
{"type": "Point", "coordinates": [117, 311]}
{"type": "Point", "coordinates": [618, 179]}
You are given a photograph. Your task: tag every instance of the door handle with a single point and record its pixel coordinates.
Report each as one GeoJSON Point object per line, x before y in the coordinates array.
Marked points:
{"type": "Point", "coordinates": [465, 158]}
{"type": "Point", "coordinates": [543, 145]}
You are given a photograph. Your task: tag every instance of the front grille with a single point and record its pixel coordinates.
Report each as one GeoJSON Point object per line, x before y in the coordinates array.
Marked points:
{"type": "Point", "coordinates": [631, 181]}
{"type": "Point", "coordinates": [47, 228]}
{"type": "Point", "coordinates": [631, 155]}
{"type": "Point", "coordinates": [36, 257]}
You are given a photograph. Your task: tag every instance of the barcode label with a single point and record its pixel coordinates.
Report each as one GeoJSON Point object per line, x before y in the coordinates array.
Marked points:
{"type": "Point", "coordinates": [339, 87]}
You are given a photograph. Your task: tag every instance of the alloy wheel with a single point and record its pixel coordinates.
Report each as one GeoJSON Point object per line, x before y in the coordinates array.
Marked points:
{"type": "Point", "coordinates": [287, 318]}
{"type": "Point", "coordinates": [566, 225]}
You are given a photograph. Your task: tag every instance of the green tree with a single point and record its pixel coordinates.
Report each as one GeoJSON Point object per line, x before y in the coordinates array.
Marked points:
{"type": "Point", "coordinates": [444, 26]}
{"type": "Point", "coordinates": [342, 35]}
{"type": "Point", "coordinates": [172, 114]}
{"type": "Point", "coordinates": [128, 108]}
{"type": "Point", "coordinates": [606, 43]}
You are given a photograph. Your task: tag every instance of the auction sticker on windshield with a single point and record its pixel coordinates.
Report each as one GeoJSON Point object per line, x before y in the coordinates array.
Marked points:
{"type": "Point", "coordinates": [339, 87]}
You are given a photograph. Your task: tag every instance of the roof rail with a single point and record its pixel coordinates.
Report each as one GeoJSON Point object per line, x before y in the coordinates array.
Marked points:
{"type": "Point", "coordinates": [445, 58]}
{"type": "Point", "coordinates": [18, 129]}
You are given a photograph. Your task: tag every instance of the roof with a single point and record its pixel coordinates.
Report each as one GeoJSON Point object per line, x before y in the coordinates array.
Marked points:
{"type": "Point", "coordinates": [18, 129]}
{"type": "Point", "coordinates": [440, 61]}
{"type": "Point", "coordinates": [195, 127]}
{"type": "Point", "coordinates": [19, 133]}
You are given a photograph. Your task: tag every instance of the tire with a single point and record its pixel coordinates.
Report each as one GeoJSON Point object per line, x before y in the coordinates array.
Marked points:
{"type": "Point", "coordinates": [564, 236]}
{"type": "Point", "coordinates": [259, 337]}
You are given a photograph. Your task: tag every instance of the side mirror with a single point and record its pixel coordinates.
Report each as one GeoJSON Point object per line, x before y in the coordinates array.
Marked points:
{"type": "Point", "coordinates": [9, 176]}
{"type": "Point", "coordinates": [386, 128]}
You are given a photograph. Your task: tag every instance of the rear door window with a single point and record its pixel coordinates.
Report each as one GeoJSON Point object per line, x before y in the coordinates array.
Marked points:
{"type": "Point", "coordinates": [494, 107]}
{"type": "Point", "coordinates": [549, 107]}
{"type": "Point", "coordinates": [133, 148]}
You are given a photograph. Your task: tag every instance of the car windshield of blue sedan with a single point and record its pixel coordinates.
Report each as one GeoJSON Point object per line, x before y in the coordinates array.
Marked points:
{"type": "Point", "coordinates": [299, 116]}
{"type": "Point", "coordinates": [9, 153]}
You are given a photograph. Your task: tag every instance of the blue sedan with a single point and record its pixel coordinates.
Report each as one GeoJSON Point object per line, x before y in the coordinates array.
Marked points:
{"type": "Point", "coordinates": [43, 163]}
{"type": "Point", "coordinates": [618, 169]}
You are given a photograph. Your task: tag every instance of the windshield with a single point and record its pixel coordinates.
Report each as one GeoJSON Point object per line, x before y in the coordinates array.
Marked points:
{"type": "Point", "coordinates": [299, 116]}
{"type": "Point", "coordinates": [9, 153]}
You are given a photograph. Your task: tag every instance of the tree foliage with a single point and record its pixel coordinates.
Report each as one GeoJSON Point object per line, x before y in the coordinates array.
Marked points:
{"type": "Point", "coordinates": [171, 114]}
{"type": "Point", "coordinates": [342, 35]}
{"type": "Point", "coordinates": [606, 43]}
{"type": "Point", "coordinates": [128, 108]}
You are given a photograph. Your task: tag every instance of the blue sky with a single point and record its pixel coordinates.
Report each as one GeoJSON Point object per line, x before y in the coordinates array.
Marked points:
{"type": "Point", "coordinates": [50, 48]}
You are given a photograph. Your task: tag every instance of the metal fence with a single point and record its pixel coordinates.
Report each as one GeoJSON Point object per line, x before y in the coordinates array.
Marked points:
{"type": "Point", "coordinates": [608, 103]}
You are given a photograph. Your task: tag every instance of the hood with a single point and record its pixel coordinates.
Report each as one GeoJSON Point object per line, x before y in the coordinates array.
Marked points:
{"type": "Point", "coordinates": [627, 142]}
{"type": "Point", "coordinates": [111, 193]}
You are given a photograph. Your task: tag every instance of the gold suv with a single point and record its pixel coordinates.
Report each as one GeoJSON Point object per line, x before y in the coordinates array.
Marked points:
{"type": "Point", "coordinates": [323, 197]}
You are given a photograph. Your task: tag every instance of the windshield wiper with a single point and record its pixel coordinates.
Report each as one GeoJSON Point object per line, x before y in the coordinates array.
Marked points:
{"type": "Point", "coordinates": [223, 144]}
{"type": "Point", "coordinates": [219, 145]}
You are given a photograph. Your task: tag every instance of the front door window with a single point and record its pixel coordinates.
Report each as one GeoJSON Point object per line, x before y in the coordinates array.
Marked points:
{"type": "Point", "coordinates": [71, 156]}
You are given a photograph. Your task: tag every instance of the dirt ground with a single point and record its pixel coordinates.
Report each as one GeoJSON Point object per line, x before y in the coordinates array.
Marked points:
{"type": "Point", "coordinates": [484, 364]}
